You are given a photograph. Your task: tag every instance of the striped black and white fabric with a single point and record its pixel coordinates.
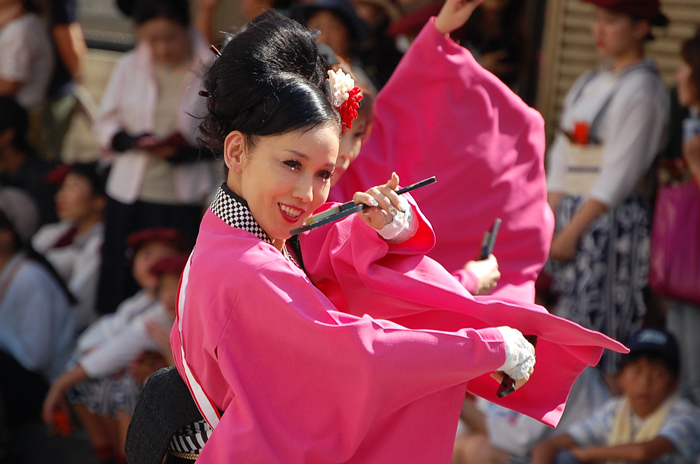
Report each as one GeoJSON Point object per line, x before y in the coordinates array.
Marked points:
{"type": "Point", "coordinates": [233, 210]}
{"type": "Point", "coordinates": [191, 438]}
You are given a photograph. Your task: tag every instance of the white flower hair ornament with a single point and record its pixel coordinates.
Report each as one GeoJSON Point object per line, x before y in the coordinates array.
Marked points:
{"type": "Point", "coordinates": [344, 96]}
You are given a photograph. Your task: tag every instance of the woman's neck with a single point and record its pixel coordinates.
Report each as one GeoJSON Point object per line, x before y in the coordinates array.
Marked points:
{"type": "Point", "coordinates": [11, 12]}
{"type": "Point", "coordinates": [84, 225]}
{"type": "Point", "coordinates": [628, 58]}
{"type": "Point", "coordinates": [279, 244]}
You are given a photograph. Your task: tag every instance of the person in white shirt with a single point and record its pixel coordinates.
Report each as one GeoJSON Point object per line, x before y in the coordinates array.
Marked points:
{"type": "Point", "coordinates": [74, 245]}
{"type": "Point", "coordinates": [26, 58]}
{"type": "Point", "coordinates": [98, 386]}
{"type": "Point", "coordinates": [612, 128]}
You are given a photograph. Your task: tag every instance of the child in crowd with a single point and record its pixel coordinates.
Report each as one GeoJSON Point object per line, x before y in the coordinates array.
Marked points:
{"type": "Point", "coordinates": [74, 245]}
{"type": "Point", "coordinates": [649, 423]}
{"type": "Point", "coordinates": [102, 393]}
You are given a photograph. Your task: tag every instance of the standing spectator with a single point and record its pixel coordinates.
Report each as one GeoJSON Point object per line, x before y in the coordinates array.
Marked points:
{"type": "Point", "coordinates": [496, 37]}
{"type": "Point", "coordinates": [340, 28]}
{"type": "Point", "coordinates": [616, 117]}
{"type": "Point", "coordinates": [26, 61]}
{"type": "Point", "coordinates": [378, 52]}
{"type": "Point", "coordinates": [683, 315]}
{"type": "Point", "coordinates": [37, 327]}
{"type": "Point", "coordinates": [20, 166]}
{"type": "Point", "coordinates": [148, 126]}
{"type": "Point", "coordinates": [68, 47]}
{"type": "Point", "coordinates": [74, 245]}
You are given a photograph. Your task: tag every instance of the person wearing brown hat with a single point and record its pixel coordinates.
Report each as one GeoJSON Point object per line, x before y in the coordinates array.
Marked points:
{"type": "Point", "coordinates": [612, 127]}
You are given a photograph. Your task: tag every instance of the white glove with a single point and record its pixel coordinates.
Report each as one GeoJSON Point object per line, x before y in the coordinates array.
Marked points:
{"type": "Point", "coordinates": [402, 227]}
{"type": "Point", "coordinates": [520, 354]}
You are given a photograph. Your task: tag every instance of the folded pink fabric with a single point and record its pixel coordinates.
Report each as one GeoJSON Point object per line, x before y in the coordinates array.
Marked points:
{"type": "Point", "coordinates": [441, 114]}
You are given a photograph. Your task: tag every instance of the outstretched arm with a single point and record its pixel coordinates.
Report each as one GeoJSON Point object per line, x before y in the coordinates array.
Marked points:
{"type": "Point", "coordinates": [454, 14]}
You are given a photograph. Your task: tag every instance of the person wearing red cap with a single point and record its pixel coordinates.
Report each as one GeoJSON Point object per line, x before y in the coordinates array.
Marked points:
{"type": "Point", "coordinates": [96, 384]}
{"type": "Point", "coordinates": [611, 129]}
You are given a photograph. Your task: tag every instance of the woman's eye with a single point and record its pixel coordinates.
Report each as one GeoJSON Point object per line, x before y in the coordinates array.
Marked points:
{"type": "Point", "coordinates": [325, 175]}
{"type": "Point", "coordinates": [293, 164]}
{"type": "Point", "coordinates": [360, 135]}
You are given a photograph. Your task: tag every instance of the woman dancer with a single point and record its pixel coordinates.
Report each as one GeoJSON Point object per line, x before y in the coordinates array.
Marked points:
{"type": "Point", "coordinates": [616, 116]}
{"type": "Point", "coordinates": [346, 345]}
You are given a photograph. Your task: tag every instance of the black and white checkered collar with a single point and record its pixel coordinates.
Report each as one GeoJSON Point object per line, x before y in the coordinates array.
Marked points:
{"type": "Point", "coordinates": [233, 210]}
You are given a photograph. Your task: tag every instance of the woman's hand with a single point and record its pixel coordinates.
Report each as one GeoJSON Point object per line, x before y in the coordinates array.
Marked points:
{"type": "Point", "coordinates": [454, 14]}
{"type": "Point", "coordinates": [380, 200]}
{"type": "Point", "coordinates": [563, 246]}
{"type": "Point", "coordinates": [486, 272]}
{"type": "Point", "coordinates": [55, 401]}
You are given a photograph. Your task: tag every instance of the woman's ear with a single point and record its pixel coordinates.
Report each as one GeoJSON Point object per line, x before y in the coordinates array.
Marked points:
{"type": "Point", "coordinates": [234, 151]}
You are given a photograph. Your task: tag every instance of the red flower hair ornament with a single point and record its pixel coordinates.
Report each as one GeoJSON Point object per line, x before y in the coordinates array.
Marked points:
{"type": "Point", "coordinates": [344, 96]}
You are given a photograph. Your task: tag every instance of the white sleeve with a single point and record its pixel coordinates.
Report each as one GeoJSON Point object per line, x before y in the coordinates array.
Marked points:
{"type": "Point", "coordinates": [636, 123]}
{"type": "Point", "coordinates": [557, 164]}
{"type": "Point", "coordinates": [16, 55]}
{"type": "Point", "coordinates": [108, 122]}
{"type": "Point", "coordinates": [84, 279]}
{"type": "Point", "coordinates": [519, 356]}
{"type": "Point", "coordinates": [403, 226]}
{"type": "Point", "coordinates": [116, 354]}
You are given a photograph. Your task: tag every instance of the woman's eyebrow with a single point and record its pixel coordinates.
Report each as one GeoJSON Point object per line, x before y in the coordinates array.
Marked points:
{"type": "Point", "coordinates": [306, 157]}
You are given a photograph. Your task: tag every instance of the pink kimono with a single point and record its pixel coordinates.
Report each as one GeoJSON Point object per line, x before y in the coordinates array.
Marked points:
{"type": "Point", "coordinates": [441, 114]}
{"type": "Point", "coordinates": [365, 358]}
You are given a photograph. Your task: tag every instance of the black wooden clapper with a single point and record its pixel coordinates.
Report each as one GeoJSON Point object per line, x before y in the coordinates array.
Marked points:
{"type": "Point", "coordinates": [346, 209]}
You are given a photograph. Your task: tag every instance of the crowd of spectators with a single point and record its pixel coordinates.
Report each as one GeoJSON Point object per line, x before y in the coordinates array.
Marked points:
{"type": "Point", "coordinates": [90, 253]}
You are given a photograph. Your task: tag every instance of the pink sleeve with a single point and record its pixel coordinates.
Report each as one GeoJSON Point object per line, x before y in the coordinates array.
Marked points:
{"type": "Point", "coordinates": [441, 114]}
{"type": "Point", "coordinates": [317, 379]}
{"type": "Point", "coordinates": [468, 279]}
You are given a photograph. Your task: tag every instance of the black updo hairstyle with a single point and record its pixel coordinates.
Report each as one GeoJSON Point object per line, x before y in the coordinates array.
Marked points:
{"type": "Point", "coordinates": [143, 11]}
{"type": "Point", "coordinates": [269, 80]}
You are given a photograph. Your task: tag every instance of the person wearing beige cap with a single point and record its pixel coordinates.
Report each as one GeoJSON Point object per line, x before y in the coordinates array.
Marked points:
{"type": "Point", "coordinates": [37, 326]}
{"type": "Point", "coordinates": [611, 129]}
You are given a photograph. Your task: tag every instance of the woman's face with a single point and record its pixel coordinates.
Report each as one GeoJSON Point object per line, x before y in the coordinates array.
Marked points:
{"type": "Point", "coordinates": [350, 145]}
{"type": "Point", "coordinates": [333, 32]}
{"type": "Point", "coordinates": [688, 94]}
{"type": "Point", "coordinates": [616, 34]}
{"type": "Point", "coordinates": [168, 40]}
{"type": "Point", "coordinates": [75, 199]}
{"type": "Point", "coordinates": [284, 178]}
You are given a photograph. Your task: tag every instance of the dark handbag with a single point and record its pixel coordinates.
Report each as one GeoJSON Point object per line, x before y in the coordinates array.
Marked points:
{"type": "Point", "coordinates": [674, 269]}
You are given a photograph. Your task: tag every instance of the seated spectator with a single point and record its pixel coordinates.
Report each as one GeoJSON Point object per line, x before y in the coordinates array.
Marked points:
{"type": "Point", "coordinates": [74, 245]}
{"type": "Point", "coordinates": [37, 327]}
{"type": "Point", "coordinates": [26, 58]}
{"type": "Point", "coordinates": [20, 166]}
{"type": "Point", "coordinates": [168, 271]}
{"type": "Point", "coordinates": [98, 385]}
{"type": "Point", "coordinates": [649, 423]}
{"type": "Point", "coordinates": [499, 436]}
